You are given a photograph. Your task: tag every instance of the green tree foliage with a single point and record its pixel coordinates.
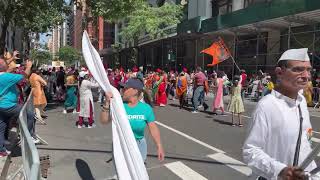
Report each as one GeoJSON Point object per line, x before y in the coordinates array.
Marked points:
{"type": "Point", "coordinates": [151, 20]}
{"type": "Point", "coordinates": [139, 15]}
{"type": "Point", "coordinates": [40, 56]}
{"type": "Point", "coordinates": [114, 10]}
{"type": "Point", "coordinates": [30, 15]}
{"type": "Point", "coordinates": [69, 55]}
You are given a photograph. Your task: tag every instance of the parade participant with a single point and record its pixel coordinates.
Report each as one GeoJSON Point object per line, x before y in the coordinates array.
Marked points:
{"type": "Point", "coordinates": [307, 92]}
{"type": "Point", "coordinates": [71, 93]}
{"type": "Point", "coordinates": [161, 99]}
{"type": "Point", "coordinates": [39, 99]}
{"type": "Point", "coordinates": [270, 85]}
{"type": "Point", "coordinates": [181, 88]}
{"type": "Point", "coordinates": [86, 99]}
{"type": "Point", "coordinates": [236, 104]}
{"type": "Point", "coordinates": [140, 73]}
{"type": "Point", "coordinates": [9, 107]}
{"type": "Point", "coordinates": [199, 80]}
{"type": "Point", "coordinates": [278, 135]}
{"type": "Point", "coordinates": [218, 96]}
{"type": "Point", "coordinates": [60, 84]}
{"type": "Point", "coordinates": [157, 79]}
{"type": "Point", "coordinates": [243, 82]}
{"type": "Point", "coordinates": [140, 116]}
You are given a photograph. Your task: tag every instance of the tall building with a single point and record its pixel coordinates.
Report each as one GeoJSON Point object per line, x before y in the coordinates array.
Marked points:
{"type": "Point", "coordinates": [256, 32]}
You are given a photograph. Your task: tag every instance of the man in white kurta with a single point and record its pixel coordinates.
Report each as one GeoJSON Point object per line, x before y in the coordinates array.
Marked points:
{"type": "Point", "coordinates": [273, 132]}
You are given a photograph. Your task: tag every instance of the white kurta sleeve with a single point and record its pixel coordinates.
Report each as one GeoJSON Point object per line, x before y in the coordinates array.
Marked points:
{"type": "Point", "coordinates": [253, 149]}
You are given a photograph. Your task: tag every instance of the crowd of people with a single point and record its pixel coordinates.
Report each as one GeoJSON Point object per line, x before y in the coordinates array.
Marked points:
{"type": "Point", "coordinates": [288, 94]}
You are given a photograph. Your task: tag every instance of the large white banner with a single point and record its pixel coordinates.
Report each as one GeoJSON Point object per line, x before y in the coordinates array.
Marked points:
{"type": "Point", "coordinates": [127, 157]}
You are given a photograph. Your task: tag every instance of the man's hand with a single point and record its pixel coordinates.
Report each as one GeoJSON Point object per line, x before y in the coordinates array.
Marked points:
{"type": "Point", "coordinates": [292, 173]}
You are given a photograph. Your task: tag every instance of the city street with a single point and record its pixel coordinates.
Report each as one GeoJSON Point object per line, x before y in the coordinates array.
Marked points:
{"type": "Point", "coordinates": [198, 146]}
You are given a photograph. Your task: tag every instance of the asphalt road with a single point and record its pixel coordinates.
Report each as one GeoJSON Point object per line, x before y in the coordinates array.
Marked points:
{"type": "Point", "coordinates": [198, 146]}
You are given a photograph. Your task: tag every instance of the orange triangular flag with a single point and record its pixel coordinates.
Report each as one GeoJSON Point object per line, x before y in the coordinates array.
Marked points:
{"type": "Point", "coordinates": [218, 51]}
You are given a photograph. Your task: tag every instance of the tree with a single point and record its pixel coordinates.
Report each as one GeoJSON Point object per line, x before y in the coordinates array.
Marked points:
{"type": "Point", "coordinates": [151, 20]}
{"type": "Point", "coordinates": [114, 10]}
{"type": "Point", "coordinates": [141, 17]}
{"type": "Point", "coordinates": [40, 56]}
{"type": "Point", "coordinates": [30, 15]}
{"type": "Point", "coordinates": [69, 55]}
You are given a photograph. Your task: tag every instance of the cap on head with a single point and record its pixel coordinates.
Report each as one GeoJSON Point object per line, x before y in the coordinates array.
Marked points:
{"type": "Point", "coordinates": [295, 55]}
{"type": "Point", "coordinates": [133, 83]}
{"type": "Point", "coordinates": [83, 73]}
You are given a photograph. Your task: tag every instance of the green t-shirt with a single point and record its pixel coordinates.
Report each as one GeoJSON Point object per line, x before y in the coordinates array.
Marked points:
{"type": "Point", "coordinates": [138, 117]}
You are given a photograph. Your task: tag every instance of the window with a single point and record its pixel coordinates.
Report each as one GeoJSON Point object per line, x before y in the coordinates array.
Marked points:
{"type": "Point", "coordinates": [247, 3]}
{"type": "Point", "coordinates": [221, 7]}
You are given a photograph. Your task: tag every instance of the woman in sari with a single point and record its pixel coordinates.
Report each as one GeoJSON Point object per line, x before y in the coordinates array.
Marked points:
{"type": "Point", "coordinates": [156, 82]}
{"type": "Point", "coordinates": [307, 92]}
{"type": "Point", "coordinates": [162, 96]}
{"type": "Point", "coordinates": [181, 88]}
{"type": "Point", "coordinates": [39, 99]}
{"type": "Point", "coordinates": [218, 98]}
{"type": "Point", "coordinates": [71, 94]}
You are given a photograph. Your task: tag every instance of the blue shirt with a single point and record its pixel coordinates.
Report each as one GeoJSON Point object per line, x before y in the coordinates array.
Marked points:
{"type": "Point", "coordinates": [138, 117]}
{"type": "Point", "coordinates": [8, 89]}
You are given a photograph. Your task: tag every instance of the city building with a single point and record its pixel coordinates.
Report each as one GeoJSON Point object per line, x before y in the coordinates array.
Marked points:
{"type": "Point", "coordinates": [256, 32]}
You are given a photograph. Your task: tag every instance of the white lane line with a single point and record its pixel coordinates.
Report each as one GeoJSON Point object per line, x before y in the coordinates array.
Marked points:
{"type": "Point", "coordinates": [184, 172]}
{"type": "Point", "coordinates": [190, 138]}
{"type": "Point", "coordinates": [315, 140]}
{"type": "Point", "coordinates": [232, 163]}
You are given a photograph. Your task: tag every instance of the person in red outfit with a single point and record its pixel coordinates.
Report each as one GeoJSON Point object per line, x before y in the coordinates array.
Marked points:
{"type": "Point", "coordinates": [162, 96]}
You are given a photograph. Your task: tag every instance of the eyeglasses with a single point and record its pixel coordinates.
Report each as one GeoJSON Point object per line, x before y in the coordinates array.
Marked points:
{"type": "Point", "coordinates": [300, 69]}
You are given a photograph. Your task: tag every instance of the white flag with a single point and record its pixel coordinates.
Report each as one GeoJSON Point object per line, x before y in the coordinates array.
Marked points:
{"type": "Point", "coordinates": [127, 157]}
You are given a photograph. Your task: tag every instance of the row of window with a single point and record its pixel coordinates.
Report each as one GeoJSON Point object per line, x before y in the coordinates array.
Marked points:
{"type": "Point", "coordinates": [220, 7]}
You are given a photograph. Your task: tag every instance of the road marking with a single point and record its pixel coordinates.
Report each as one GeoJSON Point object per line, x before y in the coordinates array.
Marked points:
{"type": "Point", "coordinates": [184, 172]}
{"type": "Point", "coordinates": [315, 140]}
{"type": "Point", "coordinates": [232, 163]}
{"type": "Point", "coordinates": [190, 138]}
{"type": "Point", "coordinates": [219, 156]}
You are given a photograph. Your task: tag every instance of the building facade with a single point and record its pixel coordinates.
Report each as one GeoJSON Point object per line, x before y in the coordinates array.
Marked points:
{"type": "Point", "coordinates": [256, 32]}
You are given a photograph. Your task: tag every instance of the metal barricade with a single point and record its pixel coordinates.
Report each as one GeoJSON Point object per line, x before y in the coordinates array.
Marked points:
{"type": "Point", "coordinates": [30, 155]}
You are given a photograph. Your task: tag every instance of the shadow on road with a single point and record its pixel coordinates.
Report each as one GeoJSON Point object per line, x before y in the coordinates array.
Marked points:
{"type": "Point", "coordinates": [84, 170]}
{"type": "Point", "coordinates": [222, 122]}
{"type": "Point", "coordinates": [79, 150]}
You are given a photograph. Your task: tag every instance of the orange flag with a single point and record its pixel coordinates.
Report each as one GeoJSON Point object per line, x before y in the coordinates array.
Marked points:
{"type": "Point", "coordinates": [218, 51]}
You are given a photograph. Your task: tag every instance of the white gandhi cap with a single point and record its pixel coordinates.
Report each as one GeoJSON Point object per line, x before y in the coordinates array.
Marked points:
{"type": "Point", "coordinates": [295, 55]}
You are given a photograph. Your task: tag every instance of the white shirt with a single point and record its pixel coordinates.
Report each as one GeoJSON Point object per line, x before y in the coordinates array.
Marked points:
{"type": "Point", "coordinates": [273, 133]}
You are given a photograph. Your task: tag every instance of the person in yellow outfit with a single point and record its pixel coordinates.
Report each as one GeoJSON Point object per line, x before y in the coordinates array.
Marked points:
{"type": "Point", "coordinates": [39, 99]}
{"type": "Point", "coordinates": [307, 92]}
{"type": "Point", "coordinates": [270, 85]}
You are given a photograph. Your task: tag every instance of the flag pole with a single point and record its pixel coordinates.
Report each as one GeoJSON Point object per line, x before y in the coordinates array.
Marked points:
{"type": "Point", "coordinates": [235, 62]}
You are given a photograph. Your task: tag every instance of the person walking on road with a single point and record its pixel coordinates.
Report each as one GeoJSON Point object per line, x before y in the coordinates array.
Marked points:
{"type": "Point", "coordinates": [198, 92]}
{"type": "Point", "coordinates": [218, 97]}
{"type": "Point", "coordinates": [39, 99]}
{"type": "Point", "coordinates": [71, 93]}
{"type": "Point", "coordinates": [279, 133]}
{"type": "Point", "coordinates": [236, 103]}
{"type": "Point", "coordinates": [86, 99]}
{"type": "Point", "coordinates": [181, 88]}
{"type": "Point", "coordinates": [140, 116]}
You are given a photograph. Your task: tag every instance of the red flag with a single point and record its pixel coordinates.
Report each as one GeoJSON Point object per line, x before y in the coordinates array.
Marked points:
{"type": "Point", "coordinates": [218, 51]}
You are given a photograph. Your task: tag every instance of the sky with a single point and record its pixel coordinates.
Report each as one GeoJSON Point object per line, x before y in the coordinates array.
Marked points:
{"type": "Point", "coordinates": [43, 37]}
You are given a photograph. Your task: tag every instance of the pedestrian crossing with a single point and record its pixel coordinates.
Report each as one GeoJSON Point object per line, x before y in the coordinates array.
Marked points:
{"type": "Point", "coordinates": [226, 167]}
{"type": "Point", "coordinates": [182, 170]}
